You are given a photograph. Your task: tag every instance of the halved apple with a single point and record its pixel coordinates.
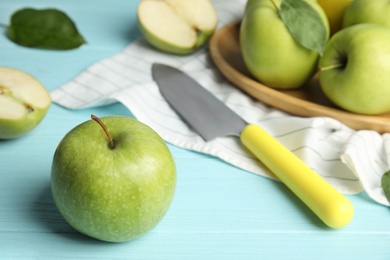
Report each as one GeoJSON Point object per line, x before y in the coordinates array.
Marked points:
{"type": "Point", "coordinates": [177, 26]}
{"type": "Point", "coordinates": [24, 102]}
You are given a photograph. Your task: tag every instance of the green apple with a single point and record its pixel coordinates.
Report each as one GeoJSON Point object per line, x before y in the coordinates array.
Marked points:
{"type": "Point", "coordinates": [24, 102]}
{"type": "Point", "coordinates": [335, 10]}
{"type": "Point", "coordinates": [113, 179]}
{"type": "Point", "coordinates": [355, 67]}
{"type": "Point", "coordinates": [367, 11]}
{"type": "Point", "coordinates": [177, 26]}
{"type": "Point", "coordinates": [270, 52]}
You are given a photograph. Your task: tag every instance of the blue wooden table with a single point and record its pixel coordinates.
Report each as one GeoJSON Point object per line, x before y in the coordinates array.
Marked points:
{"type": "Point", "coordinates": [219, 211]}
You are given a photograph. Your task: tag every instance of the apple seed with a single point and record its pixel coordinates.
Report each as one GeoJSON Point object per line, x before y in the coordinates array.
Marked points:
{"type": "Point", "coordinates": [29, 108]}
{"type": "Point", "coordinates": [4, 90]}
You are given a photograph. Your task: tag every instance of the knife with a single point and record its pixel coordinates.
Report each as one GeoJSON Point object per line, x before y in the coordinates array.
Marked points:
{"type": "Point", "coordinates": [211, 118]}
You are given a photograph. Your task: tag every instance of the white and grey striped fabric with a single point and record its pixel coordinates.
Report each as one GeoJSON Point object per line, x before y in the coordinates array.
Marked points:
{"type": "Point", "coordinates": [345, 158]}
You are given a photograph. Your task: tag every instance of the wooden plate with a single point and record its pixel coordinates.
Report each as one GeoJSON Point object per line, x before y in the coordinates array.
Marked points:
{"type": "Point", "coordinates": [308, 101]}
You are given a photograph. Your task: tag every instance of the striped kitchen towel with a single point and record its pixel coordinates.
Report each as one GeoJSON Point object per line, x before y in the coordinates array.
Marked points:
{"type": "Point", "coordinates": [349, 160]}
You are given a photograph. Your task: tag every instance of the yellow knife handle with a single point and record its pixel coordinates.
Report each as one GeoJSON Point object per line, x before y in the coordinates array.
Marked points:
{"type": "Point", "coordinates": [334, 209]}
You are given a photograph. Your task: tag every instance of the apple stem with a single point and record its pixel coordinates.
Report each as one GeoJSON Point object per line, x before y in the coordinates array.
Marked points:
{"type": "Point", "coordinates": [112, 145]}
{"type": "Point", "coordinates": [331, 67]}
{"type": "Point", "coordinates": [275, 5]}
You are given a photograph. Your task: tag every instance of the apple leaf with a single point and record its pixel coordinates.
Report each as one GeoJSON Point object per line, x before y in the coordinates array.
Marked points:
{"type": "Point", "coordinates": [46, 28]}
{"type": "Point", "coordinates": [386, 184]}
{"type": "Point", "coordinates": [305, 24]}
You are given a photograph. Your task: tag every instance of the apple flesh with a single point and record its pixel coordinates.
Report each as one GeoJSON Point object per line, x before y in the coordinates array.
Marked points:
{"type": "Point", "coordinates": [367, 11]}
{"type": "Point", "coordinates": [270, 53]}
{"type": "Point", "coordinates": [177, 26]}
{"type": "Point", "coordinates": [354, 69]}
{"type": "Point", "coordinates": [113, 191]}
{"type": "Point", "coordinates": [24, 102]}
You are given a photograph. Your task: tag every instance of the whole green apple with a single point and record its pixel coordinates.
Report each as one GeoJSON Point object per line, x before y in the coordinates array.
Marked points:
{"type": "Point", "coordinates": [24, 102]}
{"type": "Point", "coordinates": [367, 11]}
{"type": "Point", "coordinates": [177, 26]}
{"type": "Point", "coordinates": [113, 179]}
{"type": "Point", "coordinates": [270, 52]}
{"type": "Point", "coordinates": [355, 69]}
{"type": "Point", "coordinates": [335, 10]}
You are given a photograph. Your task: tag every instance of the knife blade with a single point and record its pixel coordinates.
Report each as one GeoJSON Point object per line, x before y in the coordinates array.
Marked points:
{"type": "Point", "coordinates": [211, 118]}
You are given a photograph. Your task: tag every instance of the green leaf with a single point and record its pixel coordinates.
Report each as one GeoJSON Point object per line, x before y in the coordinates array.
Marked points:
{"type": "Point", "coordinates": [305, 24]}
{"type": "Point", "coordinates": [386, 184]}
{"type": "Point", "coordinates": [46, 28]}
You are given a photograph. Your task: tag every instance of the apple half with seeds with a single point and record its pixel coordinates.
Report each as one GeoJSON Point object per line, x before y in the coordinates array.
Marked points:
{"type": "Point", "coordinates": [177, 26]}
{"type": "Point", "coordinates": [24, 102]}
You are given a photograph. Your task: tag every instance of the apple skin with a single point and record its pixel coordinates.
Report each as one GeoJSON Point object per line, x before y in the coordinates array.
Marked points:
{"type": "Point", "coordinates": [269, 51]}
{"type": "Point", "coordinates": [168, 47]}
{"type": "Point", "coordinates": [20, 91]}
{"type": "Point", "coordinates": [362, 84]}
{"type": "Point", "coordinates": [367, 11]}
{"type": "Point", "coordinates": [335, 10]}
{"type": "Point", "coordinates": [117, 194]}
{"type": "Point", "coordinates": [250, 3]}
{"type": "Point", "coordinates": [11, 129]}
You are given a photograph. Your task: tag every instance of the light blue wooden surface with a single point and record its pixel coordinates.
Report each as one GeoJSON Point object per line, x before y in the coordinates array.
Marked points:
{"type": "Point", "coordinates": [219, 212]}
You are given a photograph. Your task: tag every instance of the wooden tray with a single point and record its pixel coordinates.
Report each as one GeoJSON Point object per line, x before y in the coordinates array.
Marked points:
{"type": "Point", "coordinates": [308, 101]}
